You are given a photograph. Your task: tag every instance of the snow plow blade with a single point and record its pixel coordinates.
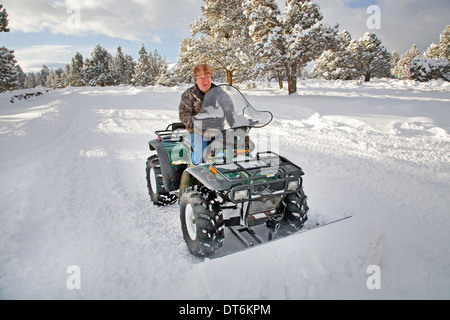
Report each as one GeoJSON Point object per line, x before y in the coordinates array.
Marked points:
{"type": "Point", "coordinates": [239, 238]}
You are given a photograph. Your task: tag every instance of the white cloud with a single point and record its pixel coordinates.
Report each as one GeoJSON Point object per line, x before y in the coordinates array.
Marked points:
{"type": "Point", "coordinates": [403, 22]}
{"type": "Point", "coordinates": [33, 58]}
{"type": "Point", "coordinates": [133, 20]}
{"type": "Point", "coordinates": [161, 23]}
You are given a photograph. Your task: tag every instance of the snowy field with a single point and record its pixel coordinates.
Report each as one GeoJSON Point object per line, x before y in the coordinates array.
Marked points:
{"type": "Point", "coordinates": [73, 192]}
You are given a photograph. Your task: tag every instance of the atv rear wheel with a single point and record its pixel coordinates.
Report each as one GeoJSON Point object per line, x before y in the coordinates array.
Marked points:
{"type": "Point", "coordinates": [155, 184]}
{"type": "Point", "coordinates": [201, 222]}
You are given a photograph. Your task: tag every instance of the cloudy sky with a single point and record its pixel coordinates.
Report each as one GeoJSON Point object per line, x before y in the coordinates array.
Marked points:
{"type": "Point", "coordinates": [50, 32]}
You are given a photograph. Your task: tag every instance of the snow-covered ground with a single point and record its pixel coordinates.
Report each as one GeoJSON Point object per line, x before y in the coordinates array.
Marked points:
{"type": "Point", "coordinates": [73, 193]}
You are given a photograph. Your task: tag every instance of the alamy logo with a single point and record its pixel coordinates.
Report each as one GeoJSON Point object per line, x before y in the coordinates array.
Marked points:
{"type": "Point", "coordinates": [74, 280]}
{"type": "Point", "coordinates": [374, 21]}
{"type": "Point", "coordinates": [74, 19]}
{"type": "Point", "coordinates": [374, 280]}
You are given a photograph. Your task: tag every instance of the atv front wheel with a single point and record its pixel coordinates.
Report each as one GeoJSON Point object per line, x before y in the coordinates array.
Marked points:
{"type": "Point", "coordinates": [297, 208]}
{"type": "Point", "coordinates": [156, 190]}
{"type": "Point", "coordinates": [201, 222]}
{"type": "Point", "coordinates": [294, 211]}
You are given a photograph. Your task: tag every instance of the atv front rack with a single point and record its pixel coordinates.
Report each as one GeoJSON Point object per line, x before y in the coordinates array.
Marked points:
{"type": "Point", "coordinates": [265, 176]}
{"type": "Point", "coordinates": [267, 163]}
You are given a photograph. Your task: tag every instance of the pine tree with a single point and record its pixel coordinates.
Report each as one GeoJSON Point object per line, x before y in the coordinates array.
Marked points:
{"type": "Point", "coordinates": [294, 37]}
{"type": "Point", "coordinates": [56, 79]}
{"type": "Point", "coordinates": [223, 40]}
{"type": "Point", "coordinates": [128, 69]}
{"type": "Point", "coordinates": [426, 69]}
{"type": "Point", "coordinates": [166, 77]}
{"type": "Point", "coordinates": [268, 39]}
{"type": "Point", "coordinates": [185, 65]}
{"type": "Point", "coordinates": [444, 43]}
{"type": "Point", "coordinates": [122, 67]}
{"type": "Point", "coordinates": [20, 77]}
{"type": "Point", "coordinates": [31, 81]}
{"type": "Point", "coordinates": [97, 69]}
{"type": "Point", "coordinates": [43, 75]}
{"type": "Point", "coordinates": [403, 68]}
{"type": "Point", "coordinates": [3, 20]}
{"type": "Point", "coordinates": [435, 62]}
{"type": "Point", "coordinates": [394, 60]}
{"type": "Point", "coordinates": [307, 37]}
{"type": "Point", "coordinates": [66, 75]}
{"type": "Point", "coordinates": [143, 71]}
{"type": "Point", "coordinates": [433, 52]}
{"type": "Point", "coordinates": [370, 58]}
{"type": "Point", "coordinates": [336, 64]}
{"type": "Point", "coordinates": [158, 65]}
{"type": "Point", "coordinates": [8, 72]}
{"type": "Point", "coordinates": [76, 71]}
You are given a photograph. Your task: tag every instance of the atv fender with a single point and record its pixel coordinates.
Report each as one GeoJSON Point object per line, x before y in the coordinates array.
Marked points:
{"type": "Point", "coordinates": [203, 175]}
{"type": "Point", "coordinates": [167, 170]}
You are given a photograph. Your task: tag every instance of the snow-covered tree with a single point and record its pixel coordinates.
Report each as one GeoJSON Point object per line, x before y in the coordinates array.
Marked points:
{"type": "Point", "coordinates": [166, 77]}
{"type": "Point", "coordinates": [43, 75]}
{"type": "Point", "coordinates": [336, 64]}
{"type": "Point", "coordinates": [266, 32]}
{"type": "Point", "coordinates": [143, 71]}
{"type": "Point", "coordinates": [433, 52]}
{"type": "Point", "coordinates": [435, 62]}
{"type": "Point", "coordinates": [294, 38]}
{"type": "Point", "coordinates": [395, 58]}
{"type": "Point", "coordinates": [97, 69]}
{"type": "Point", "coordinates": [8, 72]}
{"type": "Point", "coordinates": [21, 76]}
{"type": "Point", "coordinates": [370, 58]}
{"type": "Point", "coordinates": [3, 20]}
{"type": "Point", "coordinates": [426, 69]}
{"type": "Point", "coordinates": [351, 59]}
{"type": "Point", "coordinates": [222, 39]}
{"type": "Point", "coordinates": [122, 67]}
{"type": "Point", "coordinates": [56, 79]}
{"type": "Point", "coordinates": [31, 81]}
{"type": "Point", "coordinates": [444, 43]}
{"type": "Point", "coordinates": [148, 68]}
{"type": "Point", "coordinates": [403, 68]}
{"type": "Point", "coordinates": [158, 64]}
{"type": "Point", "coordinates": [76, 71]}
{"type": "Point", "coordinates": [185, 66]}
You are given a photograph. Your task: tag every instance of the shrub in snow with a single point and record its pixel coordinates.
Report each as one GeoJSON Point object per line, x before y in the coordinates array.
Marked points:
{"type": "Point", "coordinates": [424, 69]}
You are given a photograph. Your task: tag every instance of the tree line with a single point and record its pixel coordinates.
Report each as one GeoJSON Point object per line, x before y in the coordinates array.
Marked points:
{"type": "Point", "coordinates": [250, 39]}
{"type": "Point", "coordinates": [101, 69]}
{"type": "Point", "coordinates": [244, 40]}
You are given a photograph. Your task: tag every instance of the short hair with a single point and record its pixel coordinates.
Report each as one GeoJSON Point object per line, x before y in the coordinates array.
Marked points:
{"type": "Point", "coordinates": [202, 68]}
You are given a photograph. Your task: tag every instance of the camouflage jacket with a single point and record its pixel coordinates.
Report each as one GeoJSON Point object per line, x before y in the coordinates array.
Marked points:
{"type": "Point", "coordinates": [190, 105]}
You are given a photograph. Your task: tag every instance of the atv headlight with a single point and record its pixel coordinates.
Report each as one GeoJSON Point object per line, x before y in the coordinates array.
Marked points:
{"type": "Point", "coordinates": [240, 194]}
{"type": "Point", "coordinates": [293, 185]}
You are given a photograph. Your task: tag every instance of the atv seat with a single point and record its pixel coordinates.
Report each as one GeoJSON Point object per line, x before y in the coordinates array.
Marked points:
{"type": "Point", "coordinates": [176, 126]}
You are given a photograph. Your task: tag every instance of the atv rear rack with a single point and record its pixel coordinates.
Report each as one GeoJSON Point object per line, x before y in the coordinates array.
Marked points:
{"type": "Point", "coordinates": [175, 132]}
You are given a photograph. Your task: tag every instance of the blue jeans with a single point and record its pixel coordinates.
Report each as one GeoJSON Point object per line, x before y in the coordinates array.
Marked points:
{"type": "Point", "coordinates": [198, 144]}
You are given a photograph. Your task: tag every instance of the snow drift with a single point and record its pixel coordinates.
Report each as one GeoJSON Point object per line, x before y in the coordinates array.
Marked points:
{"type": "Point", "coordinates": [73, 193]}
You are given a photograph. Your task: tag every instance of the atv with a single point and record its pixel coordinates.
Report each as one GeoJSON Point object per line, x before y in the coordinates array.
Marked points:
{"type": "Point", "coordinates": [236, 188]}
